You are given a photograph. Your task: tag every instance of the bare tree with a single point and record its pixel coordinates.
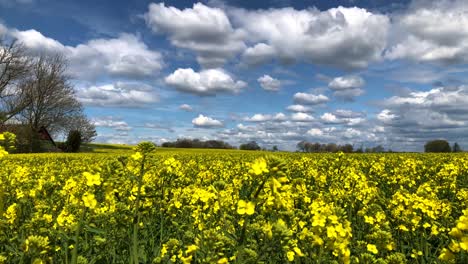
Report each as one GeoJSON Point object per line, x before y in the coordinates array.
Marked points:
{"type": "Point", "coordinates": [14, 69]}
{"type": "Point", "coordinates": [51, 96]}
{"type": "Point", "coordinates": [82, 124]}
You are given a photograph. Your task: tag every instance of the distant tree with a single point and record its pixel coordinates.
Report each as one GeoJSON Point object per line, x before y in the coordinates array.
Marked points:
{"type": "Point", "coordinates": [252, 145]}
{"type": "Point", "coordinates": [348, 148]}
{"type": "Point", "coordinates": [275, 148]}
{"type": "Point", "coordinates": [456, 148]}
{"type": "Point", "coordinates": [331, 147]}
{"type": "Point", "coordinates": [73, 142]}
{"type": "Point", "coordinates": [301, 146]}
{"type": "Point", "coordinates": [81, 123]}
{"type": "Point", "coordinates": [437, 146]}
{"type": "Point", "coordinates": [51, 94]}
{"type": "Point", "coordinates": [378, 149]}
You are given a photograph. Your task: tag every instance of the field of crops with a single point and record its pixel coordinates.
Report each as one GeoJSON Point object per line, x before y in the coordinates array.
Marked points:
{"type": "Point", "coordinates": [233, 207]}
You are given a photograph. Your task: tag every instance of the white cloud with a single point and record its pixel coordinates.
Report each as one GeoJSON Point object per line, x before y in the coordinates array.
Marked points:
{"type": "Point", "coordinates": [348, 113]}
{"type": "Point", "coordinates": [3, 30]}
{"type": "Point", "coordinates": [269, 83]}
{"type": "Point", "coordinates": [315, 132]}
{"type": "Point", "coordinates": [347, 87]}
{"type": "Point", "coordinates": [330, 118]}
{"type": "Point", "coordinates": [302, 117]}
{"type": "Point", "coordinates": [206, 122]}
{"type": "Point", "coordinates": [436, 31]}
{"type": "Point", "coordinates": [126, 56]}
{"type": "Point", "coordinates": [205, 30]}
{"type": "Point", "coordinates": [119, 94]}
{"type": "Point", "coordinates": [310, 99]}
{"type": "Point", "coordinates": [342, 37]}
{"type": "Point", "coordinates": [417, 117]}
{"type": "Point", "coordinates": [35, 41]}
{"type": "Point", "coordinates": [299, 108]}
{"type": "Point", "coordinates": [206, 82]}
{"type": "Point", "coordinates": [279, 117]}
{"type": "Point", "coordinates": [111, 122]}
{"type": "Point", "coordinates": [265, 117]}
{"type": "Point", "coordinates": [342, 117]}
{"type": "Point", "coordinates": [351, 133]}
{"type": "Point", "coordinates": [186, 107]}
{"type": "Point", "coordinates": [258, 54]}
{"type": "Point", "coordinates": [386, 116]}
{"type": "Point", "coordinates": [259, 118]}
{"type": "Point", "coordinates": [346, 82]}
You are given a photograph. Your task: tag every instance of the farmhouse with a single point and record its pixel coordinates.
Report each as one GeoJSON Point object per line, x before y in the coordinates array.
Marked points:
{"type": "Point", "coordinates": [27, 141]}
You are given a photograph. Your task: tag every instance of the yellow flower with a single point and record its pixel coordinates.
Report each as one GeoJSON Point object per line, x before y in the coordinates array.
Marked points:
{"type": "Point", "coordinates": [446, 255]}
{"type": "Point", "coordinates": [245, 207]}
{"type": "Point", "coordinates": [298, 251]}
{"type": "Point", "coordinates": [186, 260]}
{"type": "Point", "coordinates": [290, 255]}
{"type": "Point", "coordinates": [3, 152]}
{"type": "Point", "coordinates": [89, 200]}
{"type": "Point", "coordinates": [38, 261]}
{"type": "Point", "coordinates": [92, 179]}
{"type": "Point", "coordinates": [10, 213]}
{"type": "Point", "coordinates": [137, 156]}
{"type": "Point", "coordinates": [223, 261]}
{"type": "Point", "coordinates": [259, 166]}
{"type": "Point", "coordinates": [191, 249]}
{"type": "Point", "coordinates": [464, 243]}
{"type": "Point", "coordinates": [372, 248]}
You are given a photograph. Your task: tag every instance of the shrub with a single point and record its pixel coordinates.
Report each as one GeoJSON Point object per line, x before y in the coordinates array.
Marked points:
{"type": "Point", "coordinates": [73, 142]}
{"type": "Point", "coordinates": [437, 146]}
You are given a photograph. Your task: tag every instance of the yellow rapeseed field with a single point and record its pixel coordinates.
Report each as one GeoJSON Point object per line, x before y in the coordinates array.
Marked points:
{"type": "Point", "coordinates": [233, 207]}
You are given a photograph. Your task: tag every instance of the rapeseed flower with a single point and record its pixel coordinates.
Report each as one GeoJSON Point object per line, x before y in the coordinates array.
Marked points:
{"type": "Point", "coordinates": [244, 207]}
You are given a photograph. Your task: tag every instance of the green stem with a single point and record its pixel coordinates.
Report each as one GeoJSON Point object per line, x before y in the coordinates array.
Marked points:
{"type": "Point", "coordinates": [136, 215]}
{"type": "Point", "coordinates": [74, 259]}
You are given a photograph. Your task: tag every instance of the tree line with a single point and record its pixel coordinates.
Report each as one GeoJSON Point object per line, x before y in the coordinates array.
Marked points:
{"type": "Point", "coordinates": [36, 92]}
{"type": "Point", "coordinates": [196, 143]}
{"type": "Point", "coordinates": [440, 145]}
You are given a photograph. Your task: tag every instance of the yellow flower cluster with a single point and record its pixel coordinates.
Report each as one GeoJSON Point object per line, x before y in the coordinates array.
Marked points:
{"type": "Point", "coordinates": [210, 206]}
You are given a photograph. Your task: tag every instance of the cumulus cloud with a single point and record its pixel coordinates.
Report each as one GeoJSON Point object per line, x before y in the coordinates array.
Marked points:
{"type": "Point", "coordinates": [126, 56]}
{"type": "Point", "coordinates": [205, 82]}
{"type": "Point", "coordinates": [119, 94]}
{"type": "Point", "coordinates": [202, 29]}
{"type": "Point", "coordinates": [258, 54]}
{"type": "Point", "coordinates": [299, 108]}
{"type": "Point", "coordinates": [302, 117]}
{"type": "Point", "coordinates": [432, 31]}
{"type": "Point", "coordinates": [386, 116]}
{"type": "Point", "coordinates": [266, 117]}
{"type": "Point", "coordinates": [186, 107]}
{"type": "Point", "coordinates": [315, 132]}
{"type": "Point", "coordinates": [419, 116]}
{"type": "Point", "coordinates": [259, 118]}
{"type": "Point", "coordinates": [310, 99]}
{"type": "Point", "coordinates": [346, 119]}
{"type": "Point", "coordinates": [3, 30]}
{"type": "Point", "coordinates": [111, 122]}
{"type": "Point", "coordinates": [347, 87]}
{"type": "Point", "coordinates": [206, 122]}
{"type": "Point", "coordinates": [439, 107]}
{"type": "Point", "coordinates": [269, 83]}
{"type": "Point", "coordinates": [339, 36]}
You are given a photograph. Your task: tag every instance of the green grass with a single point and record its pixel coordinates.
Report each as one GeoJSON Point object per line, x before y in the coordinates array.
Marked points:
{"type": "Point", "coordinates": [105, 148]}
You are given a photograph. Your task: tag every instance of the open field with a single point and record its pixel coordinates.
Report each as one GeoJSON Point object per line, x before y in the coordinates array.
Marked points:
{"type": "Point", "coordinates": [228, 206]}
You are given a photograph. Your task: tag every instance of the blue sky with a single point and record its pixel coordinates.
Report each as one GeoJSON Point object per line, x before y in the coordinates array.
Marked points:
{"type": "Point", "coordinates": [369, 73]}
